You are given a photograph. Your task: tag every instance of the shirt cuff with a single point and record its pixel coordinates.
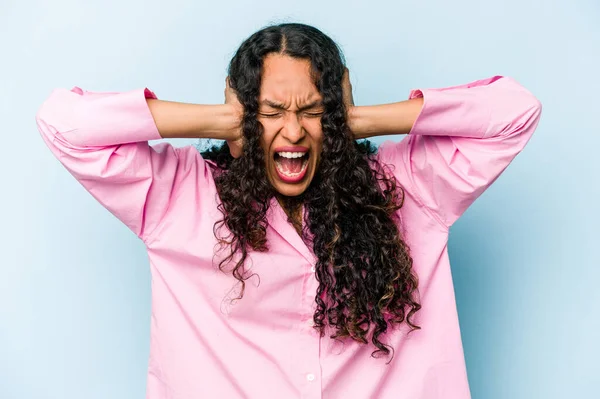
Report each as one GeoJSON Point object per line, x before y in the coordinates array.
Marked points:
{"type": "Point", "coordinates": [110, 118]}
{"type": "Point", "coordinates": [454, 111]}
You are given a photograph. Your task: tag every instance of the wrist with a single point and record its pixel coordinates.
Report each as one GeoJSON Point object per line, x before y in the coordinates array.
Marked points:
{"type": "Point", "coordinates": [186, 120]}
{"type": "Point", "coordinates": [230, 120]}
{"type": "Point", "coordinates": [358, 122]}
{"type": "Point", "coordinates": [385, 119]}
{"type": "Point", "coordinates": [220, 122]}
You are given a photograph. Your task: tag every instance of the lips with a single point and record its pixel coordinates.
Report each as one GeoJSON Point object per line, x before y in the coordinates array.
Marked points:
{"type": "Point", "coordinates": [291, 163]}
{"type": "Point", "coordinates": [294, 148]}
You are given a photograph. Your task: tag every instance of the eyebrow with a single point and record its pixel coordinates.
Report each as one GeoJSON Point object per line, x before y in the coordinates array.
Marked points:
{"type": "Point", "coordinates": [277, 105]}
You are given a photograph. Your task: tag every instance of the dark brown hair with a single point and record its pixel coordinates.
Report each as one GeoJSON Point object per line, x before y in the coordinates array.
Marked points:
{"type": "Point", "coordinates": [364, 268]}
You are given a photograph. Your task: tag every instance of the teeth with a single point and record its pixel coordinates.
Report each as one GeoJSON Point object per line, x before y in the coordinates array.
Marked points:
{"type": "Point", "coordinates": [291, 154]}
{"type": "Point", "coordinates": [290, 174]}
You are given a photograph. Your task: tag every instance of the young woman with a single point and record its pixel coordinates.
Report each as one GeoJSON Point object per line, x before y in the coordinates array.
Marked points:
{"type": "Point", "coordinates": [294, 261]}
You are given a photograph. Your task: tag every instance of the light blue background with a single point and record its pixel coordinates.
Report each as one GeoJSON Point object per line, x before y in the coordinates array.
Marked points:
{"type": "Point", "coordinates": [74, 284]}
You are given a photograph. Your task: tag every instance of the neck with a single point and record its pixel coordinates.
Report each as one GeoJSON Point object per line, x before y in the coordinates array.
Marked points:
{"type": "Point", "coordinates": [293, 209]}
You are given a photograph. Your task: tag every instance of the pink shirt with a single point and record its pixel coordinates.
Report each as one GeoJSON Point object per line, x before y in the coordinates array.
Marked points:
{"type": "Point", "coordinates": [263, 346]}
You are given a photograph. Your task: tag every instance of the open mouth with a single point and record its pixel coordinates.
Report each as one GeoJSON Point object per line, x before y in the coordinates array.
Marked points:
{"type": "Point", "coordinates": [291, 166]}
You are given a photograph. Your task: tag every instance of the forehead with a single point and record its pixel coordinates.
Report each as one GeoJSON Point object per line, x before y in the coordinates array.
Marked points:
{"type": "Point", "coordinates": [287, 79]}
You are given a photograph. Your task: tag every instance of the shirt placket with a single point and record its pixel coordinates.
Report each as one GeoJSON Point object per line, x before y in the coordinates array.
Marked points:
{"type": "Point", "coordinates": [310, 366]}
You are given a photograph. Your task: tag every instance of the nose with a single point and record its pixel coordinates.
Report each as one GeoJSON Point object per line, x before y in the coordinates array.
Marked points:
{"type": "Point", "coordinates": [292, 129]}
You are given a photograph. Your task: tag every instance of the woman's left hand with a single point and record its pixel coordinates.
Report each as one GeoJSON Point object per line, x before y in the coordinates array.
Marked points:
{"type": "Point", "coordinates": [347, 90]}
{"type": "Point", "coordinates": [349, 102]}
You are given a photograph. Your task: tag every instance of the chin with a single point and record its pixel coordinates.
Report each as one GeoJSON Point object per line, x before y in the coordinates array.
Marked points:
{"type": "Point", "coordinates": [290, 190]}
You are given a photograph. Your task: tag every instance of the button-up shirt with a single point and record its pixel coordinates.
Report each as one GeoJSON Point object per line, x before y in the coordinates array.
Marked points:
{"type": "Point", "coordinates": [204, 344]}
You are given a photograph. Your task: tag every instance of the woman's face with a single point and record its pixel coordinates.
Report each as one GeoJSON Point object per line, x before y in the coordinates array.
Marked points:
{"type": "Point", "coordinates": [290, 111]}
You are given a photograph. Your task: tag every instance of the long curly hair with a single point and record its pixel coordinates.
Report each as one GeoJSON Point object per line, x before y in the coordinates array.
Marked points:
{"type": "Point", "coordinates": [364, 269]}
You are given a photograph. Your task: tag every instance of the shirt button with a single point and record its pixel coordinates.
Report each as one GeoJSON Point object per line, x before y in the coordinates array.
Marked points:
{"type": "Point", "coordinates": [310, 377]}
{"type": "Point", "coordinates": [312, 269]}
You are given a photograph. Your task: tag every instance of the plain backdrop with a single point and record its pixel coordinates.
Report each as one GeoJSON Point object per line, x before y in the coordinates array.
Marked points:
{"type": "Point", "coordinates": [74, 282]}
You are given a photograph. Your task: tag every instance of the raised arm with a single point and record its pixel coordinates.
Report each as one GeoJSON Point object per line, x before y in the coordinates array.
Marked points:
{"type": "Point", "coordinates": [102, 140]}
{"type": "Point", "coordinates": [385, 119]}
{"type": "Point", "coordinates": [460, 139]}
{"type": "Point", "coordinates": [183, 120]}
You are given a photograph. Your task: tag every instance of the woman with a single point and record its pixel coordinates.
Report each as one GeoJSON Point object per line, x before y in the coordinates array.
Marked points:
{"type": "Point", "coordinates": [293, 261]}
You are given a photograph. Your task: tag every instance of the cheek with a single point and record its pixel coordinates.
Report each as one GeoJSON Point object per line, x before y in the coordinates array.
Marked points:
{"type": "Point", "coordinates": [313, 127]}
{"type": "Point", "coordinates": [266, 139]}
{"type": "Point", "coordinates": [316, 136]}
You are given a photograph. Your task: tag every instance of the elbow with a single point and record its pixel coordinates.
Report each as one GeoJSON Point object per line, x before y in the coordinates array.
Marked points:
{"type": "Point", "coordinates": [41, 116]}
{"type": "Point", "coordinates": [59, 112]}
{"type": "Point", "coordinates": [534, 107]}
{"type": "Point", "coordinates": [537, 108]}
{"type": "Point", "coordinates": [525, 122]}
{"type": "Point", "coordinates": [524, 112]}
{"type": "Point", "coordinates": [58, 115]}
{"type": "Point", "coordinates": [44, 117]}
{"type": "Point", "coordinates": [51, 109]}
{"type": "Point", "coordinates": [530, 116]}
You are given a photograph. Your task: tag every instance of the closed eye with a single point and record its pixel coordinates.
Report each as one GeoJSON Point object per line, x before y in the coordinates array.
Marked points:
{"type": "Point", "coordinates": [309, 114]}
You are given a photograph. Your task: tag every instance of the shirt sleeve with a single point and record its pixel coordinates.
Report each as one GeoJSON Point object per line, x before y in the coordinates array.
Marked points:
{"type": "Point", "coordinates": [102, 140]}
{"type": "Point", "coordinates": [463, 139]}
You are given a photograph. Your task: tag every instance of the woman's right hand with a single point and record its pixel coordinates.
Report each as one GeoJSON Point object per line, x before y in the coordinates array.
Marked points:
{"type": "Point", "coordinates": [237, 141]}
